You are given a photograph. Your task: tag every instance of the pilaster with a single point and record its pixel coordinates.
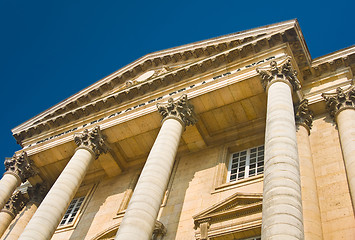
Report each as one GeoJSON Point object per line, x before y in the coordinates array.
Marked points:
{"type": "Point", "coordinates": [310, 202]}
{"type": "Point", "coordinates": [341, 106]}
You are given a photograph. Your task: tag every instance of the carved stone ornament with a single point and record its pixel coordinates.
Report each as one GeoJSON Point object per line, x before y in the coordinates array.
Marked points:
{"type": "Point", "coordinates": [303, 115]}
{"type": "Point", "coordinates": [180, 109]}
{"type": "Point", "coordinates": [159, 231]}
{"type": "Point", "coordinates": [37, 192]}
{"type": "Point", "coordinates": [281, 70]}
{"type": "Point", "coordinates": [341, 99]}
{"type": "Point", "coordinates": [15, 204]}
{"type": "Point", "coordinates": [21, 166]}
{"type": "Point", "coordinates": [92, 140]}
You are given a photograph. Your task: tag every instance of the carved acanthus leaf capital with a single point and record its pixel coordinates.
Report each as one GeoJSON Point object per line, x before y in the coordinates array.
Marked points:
{"type": "Point", "coordinates": [282, 70]}
{"type": "Point", "coordinates": [21, 166]}
{"type": "Point", "coordinates": [37, 192]}
{"type": "Point", "coordinates": [303, 115]}
{"type": "Point", "coordinates": [93, 140]}
{"type": "Point", "coordinates": [159, 231]}
{"type": "Point", "coordinates": [180, 109]}
{"type": "Point", "coordinates": [15, 204]}
{"type": "Point", "coordinates": [341, 99]}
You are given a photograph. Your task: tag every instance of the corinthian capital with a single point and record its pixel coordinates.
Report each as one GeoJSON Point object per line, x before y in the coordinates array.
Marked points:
{"type": "Point", "coordinates": [92, 140]}
{"type": "Point", "coordinates": [303, 115]}
{"type": "Point", "coordinates": [180, 110]}
{"type": "Point", "coordinates": [276, 71]}
{"type": "Point", "coordinates": [15, 204]}
{"type": "Point", "coordinates": [37, 192]}
{"type": "Point", "coordinates": [340, 100]}
{"type": "Point", "coordinates": [21, 166]}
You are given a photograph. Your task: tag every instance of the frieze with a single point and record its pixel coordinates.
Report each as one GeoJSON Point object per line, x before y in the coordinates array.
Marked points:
{"type": "Point", "coordinates": [154, 100]}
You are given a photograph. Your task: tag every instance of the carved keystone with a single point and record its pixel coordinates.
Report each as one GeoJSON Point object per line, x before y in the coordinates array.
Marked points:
{"type": "Point", "coordinates": [21, 166]}
{"type": "Point", "coordinates": [180, 110]}
{"type": "Point", "coordinates": [340, 100]}
{"type": "Point", "coordinates": [92, 140]}
{"type": "Point", "coordinates": [283, 71]}
{"type": "Point", "coordinates": [15, 204]}
{"type": "Point", "coordinates": [303, 115]}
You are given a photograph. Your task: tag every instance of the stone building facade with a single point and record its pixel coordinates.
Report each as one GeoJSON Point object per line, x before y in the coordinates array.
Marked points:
{"type": "Point", "coordinates": [243, 136]}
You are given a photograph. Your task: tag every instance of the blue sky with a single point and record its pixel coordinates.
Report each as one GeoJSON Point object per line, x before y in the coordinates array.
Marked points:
{"type": "Point", "coordinates": [50, 50]}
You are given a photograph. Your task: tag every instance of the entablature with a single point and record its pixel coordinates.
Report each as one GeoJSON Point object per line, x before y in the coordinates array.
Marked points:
{"type": "Point", "coordinates": [214, 53]}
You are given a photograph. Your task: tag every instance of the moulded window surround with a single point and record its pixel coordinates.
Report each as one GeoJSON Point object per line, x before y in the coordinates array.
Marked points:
{"type": "Point", "coordinates": [129, 191]}
{"type": "Point", "coordinates": [72, 211]}
{"type": "Point", "coordinates": [252, 238]}
{"type": "Point", "coordinates": [246, 163]}
{"type": "Point", "coordinates": [223, 167]}
{"type": "Point", "coordinates": [76, 208]}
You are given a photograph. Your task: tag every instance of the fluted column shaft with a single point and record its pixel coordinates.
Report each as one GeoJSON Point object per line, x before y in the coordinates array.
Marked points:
{"type": "Point", "coordinates": [282, 202]}
{"type": "Point", "coordinates": [48, 215]}
{"type": "Point", "coordinates": [142, 211]}
{"type": "Point", "coordinates": [310, 202]}
{"type": "Point", "coordinates": [341, 106]}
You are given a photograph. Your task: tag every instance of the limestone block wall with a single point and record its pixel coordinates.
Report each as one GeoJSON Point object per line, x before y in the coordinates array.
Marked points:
{"type": "Point", "coordinates": [192, 190]}
{"type": "Point", "coordinates": [334, 197]}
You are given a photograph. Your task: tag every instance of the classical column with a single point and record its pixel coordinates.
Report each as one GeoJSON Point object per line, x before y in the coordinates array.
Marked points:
{"type": "Point", "coordinates": [11, 209]}
{"type": "Point", "coordinates": [341, 106]}
{"type": "Point", "coordinates": [48, 215]}
{"type": "Point", "coordinates": [17, 169]}
{"type": "Point", "coordinates": [140, 217]}
{"type": "Point", "coordinates": [282, 202]}
{"type": "Point", "coordinates": [36, 195]}
{"type": "Point", "coordinates": [311, 212]}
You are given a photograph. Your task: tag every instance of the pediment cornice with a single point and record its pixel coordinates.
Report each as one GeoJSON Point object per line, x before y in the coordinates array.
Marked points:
{"type": "Point", "coordinates": [189, 60]}
{"type": "Point", "coordinates": [236, 204]}
{"type": "Point", "coordinates": [330, 63]}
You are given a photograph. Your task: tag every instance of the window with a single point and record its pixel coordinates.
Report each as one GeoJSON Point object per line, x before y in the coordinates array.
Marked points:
{"type": "Point", "coordinates": [253, 238]}
{"type": "Point", "coordinates": [72, 211]}
{"type": "Point", "coordinates": [246, 163]}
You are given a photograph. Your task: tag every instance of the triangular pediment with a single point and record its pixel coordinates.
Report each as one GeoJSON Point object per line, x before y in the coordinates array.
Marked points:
{"type": "Point", "coordinates": [160, 69]}
{"type": "Point", "coordinates": [236, 204]}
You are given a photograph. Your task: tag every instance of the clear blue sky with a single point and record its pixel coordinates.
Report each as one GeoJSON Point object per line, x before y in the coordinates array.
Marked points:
{"type": "Point", "coordinates": [50, 50]}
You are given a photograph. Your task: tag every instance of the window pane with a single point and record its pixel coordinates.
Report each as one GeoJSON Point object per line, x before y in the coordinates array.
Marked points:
{"type": "Point", "coordinates": [246, 163]}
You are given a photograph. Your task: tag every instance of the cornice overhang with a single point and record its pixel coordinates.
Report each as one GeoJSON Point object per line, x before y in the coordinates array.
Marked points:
{"type": "Point", "coordinates": [329, 63]}
{"type": "Point", "coordinates": [234, 205]}
{"type": "Point", "coordinates": [202, 56]}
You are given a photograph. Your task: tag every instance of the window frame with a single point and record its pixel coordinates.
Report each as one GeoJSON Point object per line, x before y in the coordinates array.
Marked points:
{"type": "Point", "coordinates": [85, 192]}
{"type": "Point", "coordinates": [247, 166]}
